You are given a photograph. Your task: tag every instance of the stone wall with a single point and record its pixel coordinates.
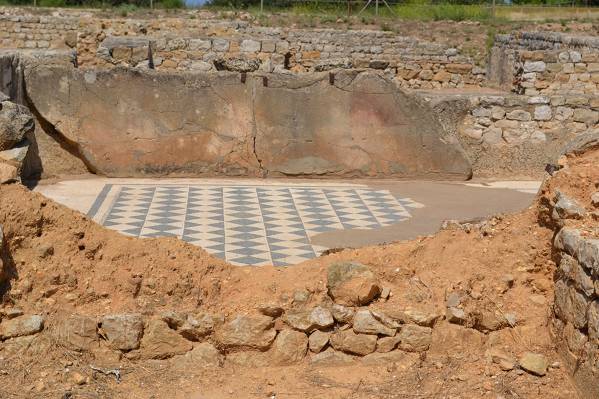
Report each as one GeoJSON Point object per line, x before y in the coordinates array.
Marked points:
{"type": "Point", "coordinates": [573, 215]}
{"type": "Point", "coordinates": [546, 63]}
{"type": "Point", "coordinates": [29, 31]}
{"type": "Point", "coordinates": [414, 63]}
{"type": "Point", "coordinates": [197, 44]}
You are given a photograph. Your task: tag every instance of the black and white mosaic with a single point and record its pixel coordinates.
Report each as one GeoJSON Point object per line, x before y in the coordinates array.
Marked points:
{"type": "Point", "coordinates": [249, 225]}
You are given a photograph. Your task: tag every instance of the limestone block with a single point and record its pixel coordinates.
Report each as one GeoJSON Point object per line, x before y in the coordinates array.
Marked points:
{"type": "Point", "coordinates": [542, 113]}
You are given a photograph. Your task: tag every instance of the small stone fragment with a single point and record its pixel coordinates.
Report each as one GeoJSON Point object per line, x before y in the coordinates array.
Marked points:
{"type": "Point", "coordinates": [453, 300]}
{"type": "Point", "coordinates": [78, 378]}
{"type": "Point", "coordinates": [271, 310]}
{"type": "Point", "coordinates": [534, 363]}
{"type": "Point", "coordinates": [385, 293]}
{"type": "Point", "coordinates": [504, 361]}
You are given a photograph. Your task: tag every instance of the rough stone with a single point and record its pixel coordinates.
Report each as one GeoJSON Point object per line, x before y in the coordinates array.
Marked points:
{"type": "Point", "coordinates": [415, 338]}
{"type": "Point", "coordinates": [123, 331]}
{"type": "Point", "coordinates": [8, 173]}
{"type": "Point", "coordinates": [534, 66]}
{"type": "Point", "coordinates": [539, 100]}
{"type": "Point", "coordinates": [237, 65]}
{"type": "Point", "coordinates": [387, 344]}
{"type": "Point", "coordinates": [21, 326]}
{"type": "Point", "coordinates": [414, 316]}
{"type": "Point", "coordinates": [330, 357]}
{"type": "Point", "coordinates": [254, 332]}
{"type": "Point", "coordinates": [519, 115]}
{"type": "Point", "coordinates": [271, 310]}
{"type": "Point", "coordinates": [567, 208]}
{"type": "Point", "coordinates": [568, 239]}
{"type": "Point", "coordinates": [456, 316]}
{"type": "Point", "coordinates": [588, 254]}
{"type": "Point", "coordinates": [250, 46]}
{"type": "Point", "coordinates": [289, 347]}
{"type": "Point", "coordinates": [309, 320]}
{"type": "Point", "coordinates": [505, 362]}
{"type": "Point", "coordinates": [16, 155]}
{"type": "Point", "coordinates": [78, 332]}
{"type": "Point", "coordinates": [204, 355]}
{"type": "Point", "coordinates": [318, 340]}
{"type": "Point", "coordinates": [198, 326]}
{"type": "Point", "coordinates": [487, 321]}
{"type": "Point", "coordinates": [342, 314]}
{"type": "Point", "coordinates": [571, 269]}
{"type": "Point", "coordinates": [595, 199]}
{"type": "Point", "coordinates": [161, 342]}
{"type": "Point", "coordinates": [542, 113]}
{"type": "Point", "coordinates": [497, 112]}
{"type": "Point", "coordinates": [534, 363]}
{"type": "Point", "coordinates": [586, 116]}
{"type": "Point", "coordinates": [15, 123]}
{"type": "Point", "coordinates": [351, 283]}
{"type": "Point", "coordinates": [593, 320]}
{"type": "Point", "coordinates": [366, 323]}
{"type": "Point", "coordinates": [350, 342]}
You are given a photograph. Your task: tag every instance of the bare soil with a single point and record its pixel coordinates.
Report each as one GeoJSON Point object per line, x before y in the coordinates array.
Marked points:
{"type": "Point", "coordinates": [58, 262]}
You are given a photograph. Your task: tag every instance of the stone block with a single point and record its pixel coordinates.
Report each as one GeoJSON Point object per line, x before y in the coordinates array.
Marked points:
{"type": "Point", "coordinates": [250, 46]}
{"type": "Point", "coordinates": [220, 45]}
{"type": "Point", "coordinates": [542, 113]}
{"type": "Point", "coordinates": [519, 115]}
{"type": "Point", "coordinates": [534, 66]}
{"type": "Point", "coordinates": [587, 116]}
{"type": "Point", "coordinates": [497, 112]}
{"type": "Point", "coordinates": [268, 46]}
{"type": "Point", "coordinates": [200, 44]}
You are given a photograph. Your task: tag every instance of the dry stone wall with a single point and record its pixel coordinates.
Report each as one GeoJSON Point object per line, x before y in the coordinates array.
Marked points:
{"type": "Point", "coordinates": [547, 63]}
{"type": "Point", "coordinates": [576, 307]}
{"type": "Point", "coordinates": [203, 45]}
{"type": "Point", "coordinates": [30, 32]}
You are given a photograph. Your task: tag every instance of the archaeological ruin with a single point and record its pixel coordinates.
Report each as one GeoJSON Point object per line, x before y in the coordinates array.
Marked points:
{"type": "Point", "coordinates": [201, 206]}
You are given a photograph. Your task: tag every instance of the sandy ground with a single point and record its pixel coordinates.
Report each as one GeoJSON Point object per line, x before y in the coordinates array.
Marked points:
{"type": "Point", "coordinates": [90, 270]}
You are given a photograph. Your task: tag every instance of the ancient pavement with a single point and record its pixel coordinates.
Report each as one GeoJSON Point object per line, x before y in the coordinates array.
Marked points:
{"type": "Point", "coordinates": [283, 222]}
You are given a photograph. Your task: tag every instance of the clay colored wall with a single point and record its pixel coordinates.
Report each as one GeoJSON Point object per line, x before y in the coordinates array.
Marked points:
{"type": "Point", "coordinates": [135, 123]}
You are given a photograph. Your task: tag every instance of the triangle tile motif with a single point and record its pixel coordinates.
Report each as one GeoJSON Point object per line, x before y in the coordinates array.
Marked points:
{"type": "Point", "coordinates": [252, 225]}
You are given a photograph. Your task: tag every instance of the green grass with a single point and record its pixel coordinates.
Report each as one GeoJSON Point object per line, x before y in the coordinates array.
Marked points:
{"type": "Point", "coordinates": [443, 12]}
{"type": "Point", "coordinates": [419, 10]}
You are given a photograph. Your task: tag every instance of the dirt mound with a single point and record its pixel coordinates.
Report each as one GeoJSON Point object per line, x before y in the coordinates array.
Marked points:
{"type": "Point", "coordinates": [471, 306]}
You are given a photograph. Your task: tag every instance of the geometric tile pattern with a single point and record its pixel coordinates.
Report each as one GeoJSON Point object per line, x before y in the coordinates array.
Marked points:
{"type": "Point", "coordinates": [251, 225]}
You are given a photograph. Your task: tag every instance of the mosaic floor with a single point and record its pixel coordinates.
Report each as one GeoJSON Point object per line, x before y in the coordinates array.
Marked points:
{"type": "Point", "coordinates": [246, 225]}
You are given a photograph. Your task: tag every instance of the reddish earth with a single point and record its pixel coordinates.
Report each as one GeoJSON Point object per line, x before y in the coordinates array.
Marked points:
{"type": "Point", "coordinates": [57, 262]}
